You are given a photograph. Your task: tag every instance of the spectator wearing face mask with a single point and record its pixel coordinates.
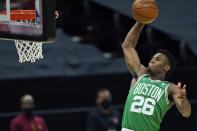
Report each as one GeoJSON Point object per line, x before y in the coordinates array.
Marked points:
{"type": "Point", "coordinates": [104, 118]}
{"type": "Point", "coordinates": [27, 121]}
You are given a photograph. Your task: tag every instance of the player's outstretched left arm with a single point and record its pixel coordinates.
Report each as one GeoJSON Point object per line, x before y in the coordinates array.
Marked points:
{"type": "Point", "coordinates": [179, 96]}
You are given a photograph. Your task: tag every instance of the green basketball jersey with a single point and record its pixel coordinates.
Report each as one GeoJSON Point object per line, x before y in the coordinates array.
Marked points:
{"type": "Point", "coordinates": [146, 105]}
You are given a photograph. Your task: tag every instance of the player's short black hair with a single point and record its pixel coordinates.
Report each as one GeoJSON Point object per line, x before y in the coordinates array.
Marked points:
{"type": "Point", "coordinates": [171, 59]}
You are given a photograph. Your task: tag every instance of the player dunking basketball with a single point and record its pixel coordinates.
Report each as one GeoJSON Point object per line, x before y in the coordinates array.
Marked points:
{"type": "Point", "coordinates": [150, 97]}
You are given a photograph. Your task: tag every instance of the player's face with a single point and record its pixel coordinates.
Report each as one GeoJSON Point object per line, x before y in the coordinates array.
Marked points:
{"type": "Point", "coordinates": [158, 64]}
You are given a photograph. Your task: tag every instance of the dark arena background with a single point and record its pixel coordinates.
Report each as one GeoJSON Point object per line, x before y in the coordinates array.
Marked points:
{"type": "Point", "coordinates": [87, 55]}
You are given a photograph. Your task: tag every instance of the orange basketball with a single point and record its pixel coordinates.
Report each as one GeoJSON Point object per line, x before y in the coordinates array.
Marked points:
{"type": "Point", "coordinates": [145, 11]}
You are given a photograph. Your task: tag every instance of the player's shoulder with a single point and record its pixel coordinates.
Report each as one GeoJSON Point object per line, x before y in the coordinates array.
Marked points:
{"type": "Point", "coordinates": [170, 84]}
{"type": "Point", "coordinates": [172, 88]}
{"type": "Point", "coordinates": [167, 82]}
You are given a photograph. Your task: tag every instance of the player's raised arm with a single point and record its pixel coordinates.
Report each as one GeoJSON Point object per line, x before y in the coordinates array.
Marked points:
{"type": "Point", "coordinates": [130, 54]}
{"type": "Point", "coordinates": [179, 97]}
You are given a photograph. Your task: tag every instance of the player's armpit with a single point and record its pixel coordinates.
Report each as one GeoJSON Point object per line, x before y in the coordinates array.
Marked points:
{"type": "Point", "coordinates": [178, 94]}
{"type": "Point", "coordinates": [133, 81]}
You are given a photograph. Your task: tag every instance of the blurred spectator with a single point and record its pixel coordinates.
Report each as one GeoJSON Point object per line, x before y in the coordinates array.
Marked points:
{"type": "Point", "coordinates": [103, 118]}
{"type": "Point", "coordinates": [27, 121]}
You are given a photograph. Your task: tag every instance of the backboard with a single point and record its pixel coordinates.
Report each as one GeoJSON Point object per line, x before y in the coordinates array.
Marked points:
{"type": "Point", "coordinates": [31, 20]}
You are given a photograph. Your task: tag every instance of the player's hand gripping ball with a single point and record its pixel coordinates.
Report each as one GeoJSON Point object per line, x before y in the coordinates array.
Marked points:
{"type": "Point", "coordinates": [145, 11]}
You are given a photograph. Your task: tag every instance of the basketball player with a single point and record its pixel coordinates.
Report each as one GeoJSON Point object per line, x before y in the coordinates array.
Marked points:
{"type": "Point", "coordinates": [150, 97]}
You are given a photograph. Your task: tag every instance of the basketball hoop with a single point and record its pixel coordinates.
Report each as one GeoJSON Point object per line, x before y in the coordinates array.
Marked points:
{"type": "Point", "coordinates": [27, 50]}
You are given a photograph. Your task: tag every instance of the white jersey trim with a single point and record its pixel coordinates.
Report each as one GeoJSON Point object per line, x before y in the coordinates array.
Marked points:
{"type": "Point", "coordinates": [154, 80]}
{"type": "Point", "coordinates": [125, 129]}
{"type": "Point", "coordinates": [141, 77]}
{"type": "Point", "coordinates": [138, 80]}
{"type": "Point", "coordinates": [166, 93]}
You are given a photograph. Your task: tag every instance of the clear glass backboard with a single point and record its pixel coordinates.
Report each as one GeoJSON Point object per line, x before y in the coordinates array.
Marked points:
{"type": "Point", "coordinates": [27, 20]}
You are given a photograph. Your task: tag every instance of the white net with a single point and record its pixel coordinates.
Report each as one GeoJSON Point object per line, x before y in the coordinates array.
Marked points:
{"type": "Point", "coordinates": [29, 51]}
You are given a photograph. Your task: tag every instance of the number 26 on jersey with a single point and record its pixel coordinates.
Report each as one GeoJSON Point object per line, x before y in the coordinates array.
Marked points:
{"type": "Point", "coordinates": [144, 106]}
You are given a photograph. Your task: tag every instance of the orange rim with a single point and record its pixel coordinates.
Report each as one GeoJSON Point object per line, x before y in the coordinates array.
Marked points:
{"type": "Point", "coordinates": [21, 14]}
